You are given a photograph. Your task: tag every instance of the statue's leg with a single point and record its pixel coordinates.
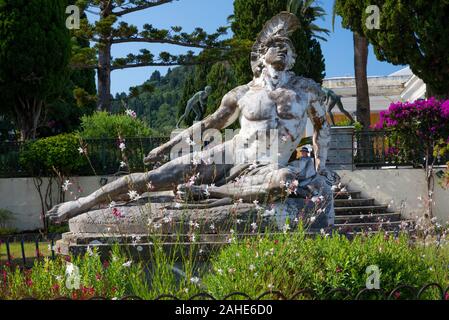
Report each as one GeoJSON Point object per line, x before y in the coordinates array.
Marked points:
{"type": "Point", "coordinates": [260, 187]}
{"type": "Point", "coordinates": [180, 120]}
{"type": "Point", "coordinates": [346, 113]}
{"type": "Point", "coordinates": [197, 113]}
{"type": "Point", "coordinates": [164, 178]}
{"type": "Point", "coordinates": [329, 111]}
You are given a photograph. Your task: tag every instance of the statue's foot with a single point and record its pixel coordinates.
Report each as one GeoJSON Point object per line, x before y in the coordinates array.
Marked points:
{"type": "Point", "coordinates": [63, 211]}
{"type": "Point", "coordinates": [192, 192]}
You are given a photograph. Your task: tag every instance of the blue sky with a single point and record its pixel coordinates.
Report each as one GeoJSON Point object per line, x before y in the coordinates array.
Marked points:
{"type": "Point", "coordinates": [210, 14]}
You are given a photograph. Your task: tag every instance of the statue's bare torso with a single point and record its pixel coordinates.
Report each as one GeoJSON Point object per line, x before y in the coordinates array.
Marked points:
{"type": "Point", "coordinates": [282, 110]}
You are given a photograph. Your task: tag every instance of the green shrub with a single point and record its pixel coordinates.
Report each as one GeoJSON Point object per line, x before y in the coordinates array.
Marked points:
{"type": "Point", "coordinates": [292, 262]}
{"type": "Point", "coordinates": [105, 125]}
{"type": "Point", "coordinates": [41, 157]}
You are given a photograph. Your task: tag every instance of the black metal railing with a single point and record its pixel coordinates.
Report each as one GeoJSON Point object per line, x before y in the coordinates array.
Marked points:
{"type": "Point", "coordinates": [400, 292]}
{"type": "Point", "coordinates": [21, 250]}
{"type": "Point", "coordinates": [104, 156]}
{"type": "Point", "coordinates": [370, 149]}
{"type": "Point", "coordinates": [377, 149]}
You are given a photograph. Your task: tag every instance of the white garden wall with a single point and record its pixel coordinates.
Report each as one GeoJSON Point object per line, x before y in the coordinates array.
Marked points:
{"type": "Point", "coordinates": [20, 196]}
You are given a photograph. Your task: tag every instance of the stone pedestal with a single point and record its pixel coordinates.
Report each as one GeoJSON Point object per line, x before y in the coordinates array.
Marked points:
{"type": "Point", "coordinates": [340, 154]}
{"type": "Point", "coordinates": [138, 224]}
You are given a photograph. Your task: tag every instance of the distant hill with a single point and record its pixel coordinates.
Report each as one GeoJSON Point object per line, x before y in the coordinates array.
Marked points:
{"type": "Point", "coordinates": [158, 108]}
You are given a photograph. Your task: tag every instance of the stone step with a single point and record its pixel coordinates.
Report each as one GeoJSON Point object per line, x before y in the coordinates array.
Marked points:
{"type": "Point", "coordinates": [354, 202]}
{"type": "Point", "coordinates": [379, 218]}
{"type": "Point", "coordinates": [361, 210]}
{"type": "Point", "coordinates": [369, 226]}
{"type": "Point", "coordinates": [345, 195]}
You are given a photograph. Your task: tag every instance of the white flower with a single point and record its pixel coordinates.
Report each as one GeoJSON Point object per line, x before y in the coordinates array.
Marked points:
{"type": "Point", "coordinates": [237, 254]}
{"type": "Point", "coordinates": [130, 113]}
{"type": "Point", "coordinates": [122, 146]}
{"type": "Point", "coordinates": [220, 271]}
{"type": "Point", "coordinates": [127, 264]}
{"type": "Point", "coordinates": [133, 195]}
{"type": "Point", "coordinates": [122, 164]}
{"type": "Point", "coordinates": [231, 270]}
{"type": "Point", "coordinates": [194, 280]}
{"type": "Point", "coordinates": [312, 219]}
{"type": "Point", "coordinates": [284, 138]}
{"type": "Point", "coordinates": [254, 226]}
{"type": "Point", "coordinates": [286, 228]}
{"type": "Point", "coordinates": [270, 286]}
{"type": "Point", "coordinates": [251, 267]}
{"type": "Point", "coordinates": [81, 150]}
{"type": "Point", "coordinates": [65, 186]}
{"type": "Point", "coordinates": [167, 219]}
{"type": "Point", "coordinates": [89, 251]}
{"type": "Point", "coordinates": [70, 268]}
{"type": "Point", "coordinates": [232, 231]}
{"type": "Point", "coordinates": [150, 186]}
{"type": "Point", "coordinates": [212, 226]}
{"type": "Point", "coordinates": [192, 237]}
{"type": "Point", "coordinates": [238, 221]}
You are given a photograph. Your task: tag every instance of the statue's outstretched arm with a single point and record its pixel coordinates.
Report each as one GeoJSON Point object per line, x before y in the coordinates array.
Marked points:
{"type": "Point", "coordinates": [321, 135]}
{"type": "Point", "coordinates": [226, 114]}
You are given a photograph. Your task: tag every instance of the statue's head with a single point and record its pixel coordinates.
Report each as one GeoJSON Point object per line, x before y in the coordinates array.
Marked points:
{"type": "Point", "coordinates": [208, 90]}
{"type": "Point", "coordinates": [273, 45]}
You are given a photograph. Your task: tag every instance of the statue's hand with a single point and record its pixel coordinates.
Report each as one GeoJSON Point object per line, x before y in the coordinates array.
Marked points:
{"type": "Point", "coordinates": [154, 156]}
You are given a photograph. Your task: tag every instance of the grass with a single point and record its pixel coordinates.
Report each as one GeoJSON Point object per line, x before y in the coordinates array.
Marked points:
{"type": "Point", "coordinates": [30, 250]}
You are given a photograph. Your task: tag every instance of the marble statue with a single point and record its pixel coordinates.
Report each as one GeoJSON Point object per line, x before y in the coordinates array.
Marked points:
{"type": "Point", "coordinates": [253, 166]}
{"type": "Point", "coordinates": [197, 104]}
{"type": "Point", "coordinates": [332, 100]}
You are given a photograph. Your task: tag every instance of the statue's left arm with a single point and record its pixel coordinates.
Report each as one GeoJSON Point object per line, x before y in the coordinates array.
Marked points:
{"type": "Point", "coordinates": [317, 114]}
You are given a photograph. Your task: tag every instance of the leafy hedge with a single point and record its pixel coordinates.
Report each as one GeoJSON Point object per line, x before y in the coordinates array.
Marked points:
{"type": "Point", "coordinates": [104, 125]}
{"type": "Point", "coordinates": [41, 157]}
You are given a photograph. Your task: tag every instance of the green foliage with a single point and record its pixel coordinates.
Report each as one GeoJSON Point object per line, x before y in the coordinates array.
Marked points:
{"type": "Point", "coordinates": [44, 156]}
{"type": "Point", "coordinates": [249, 18]}
{"type": "Point", "coordinates": [292, 262]}
{"type": "Point", "coordinates": [286, 262]}
{"type": "Point", "coordinates": [411, 33]}
{"type": "Point", "coordinates": [222, 79]}
{"type": "Point", "coordinates": [104, 125]}
{"type": "Point", "coordinates": [34, 54]}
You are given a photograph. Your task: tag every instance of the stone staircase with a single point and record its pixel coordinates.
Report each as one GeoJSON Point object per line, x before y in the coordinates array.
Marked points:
{"type": "Point", "coordinates": [355, 214]}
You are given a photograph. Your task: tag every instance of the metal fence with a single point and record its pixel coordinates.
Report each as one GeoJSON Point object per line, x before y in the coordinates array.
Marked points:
{"type": "Point", "coordinates": [401, 292]}
{"type": "Point", "coordinates": [373, 149]}
{"type": "Point", "coordinates": [104, 156]}
{"type": "Point", "coordinates": [377, 149]}
{"type": "Point", "coordinates": [29, 247]}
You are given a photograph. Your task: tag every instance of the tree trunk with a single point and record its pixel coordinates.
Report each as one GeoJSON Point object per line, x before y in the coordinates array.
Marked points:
{"type": "Point", "coordinates": [431, 92]}
{"type": "Point", "coordinates": [104, 76]}
{"type": "Point", "coordinates": [28, 113]}
{"type": "Point", "coordinates": [104, 61]}
{"type": "Point", "coordinates": [361, 80]}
